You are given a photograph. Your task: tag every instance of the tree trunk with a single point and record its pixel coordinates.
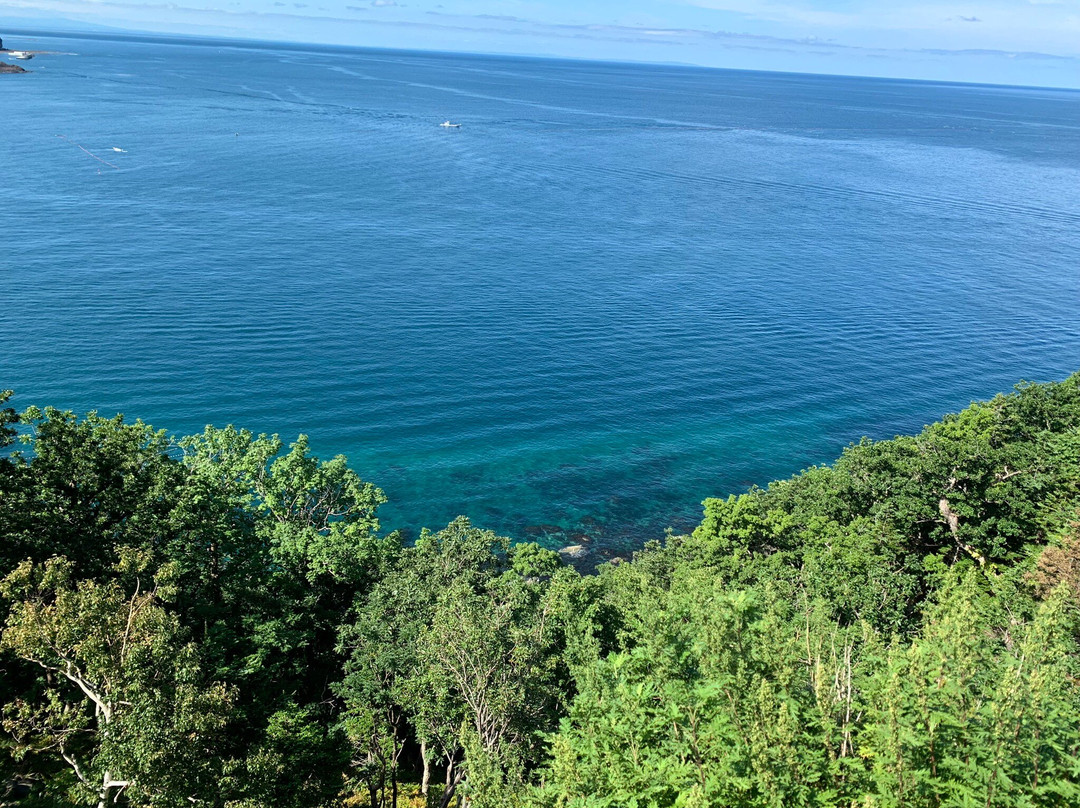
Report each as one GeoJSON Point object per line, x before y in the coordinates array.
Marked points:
{"type": "Point", "coordinates": [396, 721]}
{"type": "Point", "coordinates": [427, 768]}
{"type": "Point", "coordinates": [453, 777]}
{"type": "Point", "coordinates": [107, 785]}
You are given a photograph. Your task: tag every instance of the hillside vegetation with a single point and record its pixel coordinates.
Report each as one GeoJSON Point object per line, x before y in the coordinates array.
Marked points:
{"type": "Point", "coordinates": [221, 621]}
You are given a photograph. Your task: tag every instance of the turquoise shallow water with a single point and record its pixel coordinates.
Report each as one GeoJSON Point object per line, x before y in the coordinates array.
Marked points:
{"type": "Point", "coordinates": [616, 290]}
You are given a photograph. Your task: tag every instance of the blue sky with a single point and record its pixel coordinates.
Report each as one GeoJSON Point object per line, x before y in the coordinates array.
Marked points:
{"type": "Point", "coordinates": [1001, 41]}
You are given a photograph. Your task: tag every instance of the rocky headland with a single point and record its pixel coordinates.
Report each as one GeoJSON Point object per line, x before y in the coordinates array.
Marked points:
{"type": "Point", "coordinates": [9, 68]}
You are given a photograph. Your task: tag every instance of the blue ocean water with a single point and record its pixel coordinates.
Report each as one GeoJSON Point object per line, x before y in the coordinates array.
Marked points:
{"type": "Point", "coordinates": [614, 291]}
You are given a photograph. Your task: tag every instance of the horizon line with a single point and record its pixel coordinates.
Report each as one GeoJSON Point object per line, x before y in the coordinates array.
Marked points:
{"type": "Point", "coordinates": [255, 43]}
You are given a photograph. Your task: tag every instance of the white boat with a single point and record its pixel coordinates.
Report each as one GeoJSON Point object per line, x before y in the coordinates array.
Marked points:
{"type": "Point", "coordinates": [449, 125]}
{"type": "Point", "coordinates": [118, 149]}
{"type": "Point", "coordinates": [24, 55]}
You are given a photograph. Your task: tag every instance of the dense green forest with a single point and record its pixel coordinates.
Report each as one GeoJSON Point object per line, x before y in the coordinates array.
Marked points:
{"type": "Point", "coordinates": [222, 621]}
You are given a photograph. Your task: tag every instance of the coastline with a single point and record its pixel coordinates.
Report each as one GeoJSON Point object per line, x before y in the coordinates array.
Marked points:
{"type": "Point", "coordinates": [21, 55]}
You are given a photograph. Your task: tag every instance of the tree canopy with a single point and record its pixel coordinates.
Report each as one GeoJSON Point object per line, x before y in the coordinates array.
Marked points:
{"type": "Point", "coordinates": [221, 620]}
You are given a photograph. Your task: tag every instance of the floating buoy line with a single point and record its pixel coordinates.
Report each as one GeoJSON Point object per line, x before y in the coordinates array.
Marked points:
{"type": "Point", "coordinates": [99, 159]}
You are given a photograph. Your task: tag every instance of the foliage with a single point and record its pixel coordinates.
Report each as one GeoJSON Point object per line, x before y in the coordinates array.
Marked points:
{"type": "Point", "coordinates": [883, 631]}
{"type": "Point", "coordinates": [220, 620]}
{"type": "Point", "coordinates": [125, 706]}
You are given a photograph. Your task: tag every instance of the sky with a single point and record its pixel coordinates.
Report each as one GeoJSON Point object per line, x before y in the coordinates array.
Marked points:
{"type": "Point", "coordinates": [1025, 42]}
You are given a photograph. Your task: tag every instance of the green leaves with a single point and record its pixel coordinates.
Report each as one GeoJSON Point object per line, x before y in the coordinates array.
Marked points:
{"type": "Point", "coordinates": [125, 702]}
{"type": "Point", "coordinates": [220, 550]}
{"type": "Point", "coordinates": [317, 517]}
{"type": "Point", "coordinates": [980, 708]}
{"type": "Point", "coordinates": [727, 702]}
{"type": "Point", "coordinates": [860, 634]}
{"type": "Point", "coordinates": [8, 416]}
{"type": "Point", "coordinates": [219, 621]}
{"type": "Point", "coordinates": [90, 485]}
{"type": "Point", "coordinates": [459, 640]}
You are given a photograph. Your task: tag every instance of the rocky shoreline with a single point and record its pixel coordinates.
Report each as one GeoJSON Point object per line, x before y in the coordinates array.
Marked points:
{"type": "Point", "coordinates": [7, 67]}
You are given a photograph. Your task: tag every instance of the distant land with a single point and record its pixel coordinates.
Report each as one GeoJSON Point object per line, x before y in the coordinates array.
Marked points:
{"type": "Point", "coordinates": [32, 23]}
{"type": "Point", "coordinates": [53, 26]}
{"type": "Point", "coordinates": [76, 29]}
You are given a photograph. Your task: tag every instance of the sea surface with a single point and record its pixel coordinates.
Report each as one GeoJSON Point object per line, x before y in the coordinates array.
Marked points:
{"type": "Point", "coordinates": [614, 291]}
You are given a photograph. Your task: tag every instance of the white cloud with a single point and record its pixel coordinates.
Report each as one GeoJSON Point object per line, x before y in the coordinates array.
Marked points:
{"type": "Point", "coordinates": [1052, 25]}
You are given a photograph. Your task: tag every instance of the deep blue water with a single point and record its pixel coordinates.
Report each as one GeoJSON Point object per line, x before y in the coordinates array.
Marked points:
{"type": "Point", "coordinates": [614, 291]}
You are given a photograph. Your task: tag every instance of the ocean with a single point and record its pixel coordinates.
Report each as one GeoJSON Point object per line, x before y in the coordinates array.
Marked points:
{"type": "Point", "coordinates": [614, 291]}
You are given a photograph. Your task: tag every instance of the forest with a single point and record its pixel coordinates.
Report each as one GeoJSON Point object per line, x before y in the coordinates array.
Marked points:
{"type": "Point", "coordinates": [222, 620]}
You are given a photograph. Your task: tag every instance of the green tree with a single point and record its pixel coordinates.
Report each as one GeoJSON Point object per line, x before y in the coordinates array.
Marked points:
{"type": "Point", "coordinates": [291, 542]}
{"type": "Point", "coordinates": [718, 702]}
{"type": "Point", "coordinates": [124, 703]}
{"type": "Point", "coordinates": [981, 708]}
{"type": "Point", "coordinates": [87, 486]}
{"type": "Point", "coordinates": [455, 646]}
{"type": "Point", "coordinates": [493, 652]}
